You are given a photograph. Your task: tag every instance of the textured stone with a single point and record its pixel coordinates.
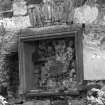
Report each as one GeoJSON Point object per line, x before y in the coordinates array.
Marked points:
{"type": "Point", "coordinates": [19, 7]}
{"type": "Point", "coordinates": [94, 54]}
{"type": "Point", "coordinates": [86, 14]}
{"type": "Point", "coordinates": [29, 103]}
{"type": "Point", "coordinates": [16, 23]}
{"type": "Point", "coordinates": [37, 102]}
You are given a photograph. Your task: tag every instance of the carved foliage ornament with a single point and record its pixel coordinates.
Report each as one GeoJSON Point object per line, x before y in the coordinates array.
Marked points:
{"type": "Point", "coordinates": [86, 14]}
{"type": "Point", "coordinates": [51, 11]}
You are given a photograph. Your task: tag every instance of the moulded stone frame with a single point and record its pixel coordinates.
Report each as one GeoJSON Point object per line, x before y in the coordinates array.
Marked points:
{"type": "Point", "coordinates": [32, 34]}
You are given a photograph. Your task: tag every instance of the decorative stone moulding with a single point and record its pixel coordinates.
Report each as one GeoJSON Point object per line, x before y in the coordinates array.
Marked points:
{"type": "Point", "coordinates": [48, 34]}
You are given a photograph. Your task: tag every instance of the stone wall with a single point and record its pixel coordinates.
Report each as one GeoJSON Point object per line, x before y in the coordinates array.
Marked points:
{"type": "Point", "coordinates": [88, 13]}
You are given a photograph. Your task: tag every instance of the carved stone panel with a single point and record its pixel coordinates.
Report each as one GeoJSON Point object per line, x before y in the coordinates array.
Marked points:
{"type": "Point", "coordinates": [51, 61]}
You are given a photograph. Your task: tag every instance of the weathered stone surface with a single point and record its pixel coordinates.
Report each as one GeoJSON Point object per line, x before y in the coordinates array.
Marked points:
{"type": "Point", "coordinates": [37, 102]}
{"type": "Point", "coordinates": [16, 23]}
{"type": "Point", "coordinates": [86, 14]}
{"type": "Point", "coordinates": [94, 54]}
{"type": "Point", "coordinates": [29, 103]}
{"type": "Point", "coordinates": [19, 7]}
